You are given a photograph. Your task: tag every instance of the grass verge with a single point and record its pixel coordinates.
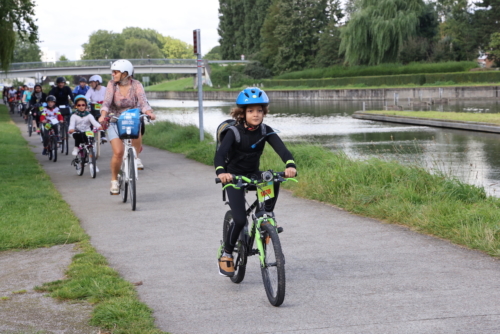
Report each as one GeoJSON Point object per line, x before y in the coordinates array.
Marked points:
{"type": "Point", "coordinates": [433, 204]}
{"type": "Point", "coordinates": [33, 214]}
{"type": "Point", "coordinates": [445, 116]}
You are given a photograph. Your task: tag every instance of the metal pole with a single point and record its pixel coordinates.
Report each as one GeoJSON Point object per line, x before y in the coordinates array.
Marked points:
{"type": "Point", "coordinates": [200, 97]}
{"type": "Point", "coordinates": [363, 106]}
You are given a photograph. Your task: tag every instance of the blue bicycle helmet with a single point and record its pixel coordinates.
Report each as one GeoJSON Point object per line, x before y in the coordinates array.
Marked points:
{"type": "Point", "coordinates": [252, 95]}
{"type": "Point", "coordinates": [81, 97]}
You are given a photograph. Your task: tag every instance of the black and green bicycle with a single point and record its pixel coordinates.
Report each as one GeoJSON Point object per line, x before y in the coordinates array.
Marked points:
{"type": "Point", "coordinates": [262, 230]}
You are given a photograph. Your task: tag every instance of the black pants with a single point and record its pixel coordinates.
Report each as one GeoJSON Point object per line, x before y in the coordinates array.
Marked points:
{"type": "Point", "coordinates": [80, 138]}
{"type": "Point", "coordinates": [45, 134]}
{"type": "Point", "coordinates": [237, 204]}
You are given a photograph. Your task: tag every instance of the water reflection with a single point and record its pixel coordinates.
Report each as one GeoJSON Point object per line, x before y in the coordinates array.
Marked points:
{"type": "Point", "coordinates": [473, 157]}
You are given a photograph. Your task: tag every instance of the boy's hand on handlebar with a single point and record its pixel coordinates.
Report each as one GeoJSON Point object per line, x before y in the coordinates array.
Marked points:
{"type": "Point", "coordinates": [225, 177]}
{"type": "Point", "coordinates": [290, 172]}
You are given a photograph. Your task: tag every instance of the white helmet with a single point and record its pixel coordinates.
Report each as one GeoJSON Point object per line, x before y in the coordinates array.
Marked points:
{"type": "Point", "coordinates": [96, 78]}
{"type": "Point", "coordinates": [123, 65]}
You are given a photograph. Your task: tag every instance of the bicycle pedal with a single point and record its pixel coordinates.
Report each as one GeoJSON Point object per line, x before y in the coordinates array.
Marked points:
{"type": "Point", "coordinates": [280, 229]}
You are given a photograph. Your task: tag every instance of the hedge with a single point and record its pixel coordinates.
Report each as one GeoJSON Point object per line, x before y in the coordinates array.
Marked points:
{"type": "Point", "coordinates": [389, 80]}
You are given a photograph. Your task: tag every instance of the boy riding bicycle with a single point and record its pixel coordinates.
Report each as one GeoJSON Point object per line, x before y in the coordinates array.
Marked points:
{"type": "Point", "coordinates": [51, 115]}
{"type": "Point", "coordinates": [239, 154]}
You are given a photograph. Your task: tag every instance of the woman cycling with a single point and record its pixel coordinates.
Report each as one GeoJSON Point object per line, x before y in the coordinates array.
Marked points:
{"type": "Point", "coordinates": [95, 97]}
{"type": "Point", "coordinates": [26, 99]}
{"type": "Point", "coordinates": [240, 158]}
{"type": "Point", "coordinates": [37, 99]}
{"type": "Point", "coordinates": [122, 93]}
{"type": "Point", "coordinates": [80, 121]}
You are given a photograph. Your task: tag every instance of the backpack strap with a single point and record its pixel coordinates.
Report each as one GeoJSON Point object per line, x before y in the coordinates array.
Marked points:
{"type": "Point", "coordinates": [237, 135]}
{"type": "Point", "coordinates": [263, 129]}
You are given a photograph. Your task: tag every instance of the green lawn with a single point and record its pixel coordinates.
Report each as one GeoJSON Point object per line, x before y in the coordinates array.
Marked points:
{"type": "Point", "coordinates": [448, 116]}
{"type": "Point", "coordinates": [172, 85]}
{"type": "Point", "coordinates": [408, 195]}
{"type": "Point", "coordinates": [33, 214]}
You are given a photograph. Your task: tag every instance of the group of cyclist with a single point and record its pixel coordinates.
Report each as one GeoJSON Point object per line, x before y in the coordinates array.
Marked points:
{"type": "Point", "coordinates": [239, 152]}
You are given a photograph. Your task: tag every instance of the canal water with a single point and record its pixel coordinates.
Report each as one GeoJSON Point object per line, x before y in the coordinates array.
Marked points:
{"type": "Point", "coordinates": [472, 157]}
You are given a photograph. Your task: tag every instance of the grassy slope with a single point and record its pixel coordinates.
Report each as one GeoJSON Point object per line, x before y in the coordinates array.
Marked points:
{"type": "Point", "coordinates": [448, 116]}
{"type": "Point", "coordinates": [432, 204]}
{"type": "Point", "coordinates": [33, 214]}
{"type": "Point", "coordinates": [178, 85]}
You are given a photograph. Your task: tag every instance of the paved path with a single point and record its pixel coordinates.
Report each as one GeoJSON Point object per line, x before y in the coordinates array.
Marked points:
{"type": "Point", "coordinates": [345, 274]}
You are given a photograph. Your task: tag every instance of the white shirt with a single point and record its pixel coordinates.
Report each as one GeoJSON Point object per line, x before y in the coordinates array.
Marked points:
{"type": "Point", "coordinates": [95, 96]}
{"type": "Point", "coordinates": [82, 123]}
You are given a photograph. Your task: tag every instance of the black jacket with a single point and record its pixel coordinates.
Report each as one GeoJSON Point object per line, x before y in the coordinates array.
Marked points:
{"type": "Point", "coordinates": [62, 95]}
{"type": "Point", "coordinates": [34, 100]}
{"type": "Point", "coordinates": [245, 160]}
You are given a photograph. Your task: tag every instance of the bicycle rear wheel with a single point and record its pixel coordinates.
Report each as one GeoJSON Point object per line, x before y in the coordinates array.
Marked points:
{"type": "Point", "coordinates": [273, 273]}
{"type": "Point", "coordinates": [131, 178]}
{"type": "Point", "coordinates": [92, 163]}
{"type": "Point", "coordinates": [240, 258]}
{"type": "Point", "coordinates": [53, 148]}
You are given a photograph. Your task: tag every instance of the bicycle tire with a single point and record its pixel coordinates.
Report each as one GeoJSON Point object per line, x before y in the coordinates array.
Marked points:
{"type": "Point", "coordinates": [53, 147]}
{"type": "Point", "coordinates": [123, 184]}
{"type": "Point", "coordinates": [273, 274]}
{"type": "Point", "coordinates": [49, 149]}
{"type": "Point", "coordinates": [92, 163]}
{"type": "Point", "coordinates": [30, 125]}
{"type": "Point", "coordinates": [78, 165]}
{"type": "Point", "coordinates": [131, 178]}
{"type": "Point", "coordinates": [97, 144]}
{"type": "Point", "coordinates": [240, 261]}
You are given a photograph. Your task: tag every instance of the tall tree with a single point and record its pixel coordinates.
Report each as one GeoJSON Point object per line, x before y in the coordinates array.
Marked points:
{"type": "Point", "coordinates": [487, 21]}
{"type": "Point", "coordinates": [329, 38]}
{"type": "Point", "coordinates": [150, 35]}
{"type": "Point", "coordinates": [140, 48]}
{"type": "Point", "coordinates": [16, 16]}
{"type": "Point", "coordinates": [103, 44]}
{"type": "Point", "coordinates": [26, 51]}
{"type": "Point", "coordinates": [297, 26]}
{"type": "Point", "coordinates": [231, 28]}
{"type": "Point", "coordinates": [378, 30]}
{"type": "Point", "coordinates": [174, 48]}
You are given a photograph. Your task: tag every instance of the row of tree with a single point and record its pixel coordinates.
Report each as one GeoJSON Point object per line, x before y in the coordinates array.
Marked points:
{"type": "Point", "coordinates": [289, 35]}
{"type": "Point", "coordinates": [135, 43]}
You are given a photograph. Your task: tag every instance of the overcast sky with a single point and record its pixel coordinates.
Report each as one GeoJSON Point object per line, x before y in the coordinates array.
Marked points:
{"type": "Point", "coordinates": [65, 25]}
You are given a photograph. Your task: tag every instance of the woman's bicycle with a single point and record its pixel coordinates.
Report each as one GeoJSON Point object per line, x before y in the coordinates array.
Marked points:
{"type": "Point", "coordinates": [262, 230]}
{"type": "Point", "coordinates": [128, 176]}
{"type": "Point", "coordinates": [86, 156]}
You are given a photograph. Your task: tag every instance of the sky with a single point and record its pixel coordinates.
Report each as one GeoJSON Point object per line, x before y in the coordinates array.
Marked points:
{"type": "Point", "coordinates": [64, 26]}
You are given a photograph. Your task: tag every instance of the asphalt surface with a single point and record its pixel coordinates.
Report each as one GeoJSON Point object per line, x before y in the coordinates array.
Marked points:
{"type": "Point", "coordinates": [344, 273]}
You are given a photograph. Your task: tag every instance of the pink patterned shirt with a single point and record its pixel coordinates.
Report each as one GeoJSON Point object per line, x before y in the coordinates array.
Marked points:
{"type": "Point", "coordinates": [115, 102]}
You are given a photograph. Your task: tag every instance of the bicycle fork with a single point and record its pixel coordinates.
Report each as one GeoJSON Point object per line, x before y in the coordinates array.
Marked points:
{"type": "Point", "coordinates": [259, 239]}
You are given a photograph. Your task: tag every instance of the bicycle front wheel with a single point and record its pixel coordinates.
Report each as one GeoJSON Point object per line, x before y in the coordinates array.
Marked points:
{"type": "Point", "coordinates": [30, 124]}
{"type": "Point", "coordinates": [53, 148]}
{"type": "Point", "coordinates": [131, 178]}
{"type": "Point", "coordinates": [122, 180]}
{"type": "Point", "coordinates": [239, 253]}
{"type": "Point", "coordinates": [97, 144]}
{"type": "Point", "coordinates": [92, 163]}
{"type": "Point", "coordinates": [273, 272]}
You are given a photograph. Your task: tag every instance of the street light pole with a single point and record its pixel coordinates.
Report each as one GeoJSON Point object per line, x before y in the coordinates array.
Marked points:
{"type": "Point", "coordinates": [199, 62]}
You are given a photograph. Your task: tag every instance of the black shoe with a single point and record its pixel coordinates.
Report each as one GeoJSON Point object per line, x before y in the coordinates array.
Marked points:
{"type": "Point", "coordinates": [44, 152]}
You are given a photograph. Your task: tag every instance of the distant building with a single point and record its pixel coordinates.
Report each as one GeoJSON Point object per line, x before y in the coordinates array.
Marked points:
{"type": "Point", "coordinates": [483, 61]}
{"type": "Point", "coordinates": [49, 55]}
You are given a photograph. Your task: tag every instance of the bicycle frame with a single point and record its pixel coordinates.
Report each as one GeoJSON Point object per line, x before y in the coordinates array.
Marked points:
{"type": "Point", "coordinates": [262, 188]}
{"type": "Point", "coordinates": [127, 143]}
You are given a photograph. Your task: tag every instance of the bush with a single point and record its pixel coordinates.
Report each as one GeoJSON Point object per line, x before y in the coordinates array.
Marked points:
{"type": "Point", "coordinates": [256, 70]}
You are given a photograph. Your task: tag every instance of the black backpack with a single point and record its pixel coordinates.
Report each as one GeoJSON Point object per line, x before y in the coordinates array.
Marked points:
{"type": "Point", "coordinates": [230, 124]}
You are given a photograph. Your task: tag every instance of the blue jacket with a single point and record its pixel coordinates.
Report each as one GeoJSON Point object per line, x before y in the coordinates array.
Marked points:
{"type": "Point", "coordinates": [80, 91]}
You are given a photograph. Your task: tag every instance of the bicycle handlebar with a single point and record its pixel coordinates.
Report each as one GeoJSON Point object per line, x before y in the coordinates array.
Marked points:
{"type": "Point", "coordinates": [267, 176]}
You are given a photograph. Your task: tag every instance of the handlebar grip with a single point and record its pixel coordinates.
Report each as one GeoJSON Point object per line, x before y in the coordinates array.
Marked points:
{"type": "Point", "coordinates": [217, 180]}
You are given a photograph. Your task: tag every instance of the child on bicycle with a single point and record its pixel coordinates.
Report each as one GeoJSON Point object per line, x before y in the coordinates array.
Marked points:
{"type": "Point", "coordinates": [48, 117]}
{"type": "Point", "coordinates": [80, 121]}
{"type": "Point", "coordinates": [240, 158]}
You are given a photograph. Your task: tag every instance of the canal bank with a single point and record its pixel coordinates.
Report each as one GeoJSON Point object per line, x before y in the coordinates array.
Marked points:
{"type": "Point", "coordinates": [423, 121]}
{"type": "Point", "coordinates": [426, 94]}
